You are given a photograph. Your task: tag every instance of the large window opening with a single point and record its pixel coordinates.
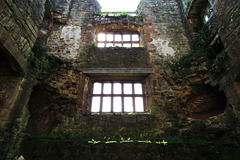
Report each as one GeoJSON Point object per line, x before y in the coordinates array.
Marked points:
{"type": "Point", "coordinates": [118, 5]}
{"type": "Point", "coordinates": [117, 97]}
{"type": "Point", "coordinates": [118, 39]}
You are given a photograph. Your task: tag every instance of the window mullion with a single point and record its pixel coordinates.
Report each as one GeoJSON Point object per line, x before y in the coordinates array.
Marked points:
{"type": "Point", "coordinates": [113, 39]}
{"type": "Point", "coordinates": [122, 97]}
{"type": "Point", "coordinates": [131, 39]}
{"type": "Point", "coordinates": [143, 95]}
{"type": "Point", "coordinates": [122, 38]}
{"type": "Point", "coordinates": [101, 98]}
{"type": "Point", "coordinates": [138, 39]}
{"type": "Point", "coordinates": [133, 97]}
{"type": "Point", "coordinates": [105, 43]}
{"type": "Point", "coordinates": [111, 97]}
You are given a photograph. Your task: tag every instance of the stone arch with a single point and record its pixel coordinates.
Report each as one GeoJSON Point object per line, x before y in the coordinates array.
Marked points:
{"type": "Point", "coordinates": [11, 63]}
{"type": "Point", "coordinates": [195, 12]}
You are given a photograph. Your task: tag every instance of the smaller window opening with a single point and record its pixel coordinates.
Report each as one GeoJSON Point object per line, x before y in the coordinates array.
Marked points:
{"type": "Point", "coordinates": [109, 45]}
{"type": "Point", "coordinates": [126, 37]}
{"type": "Point", "coordinates": [206, 18]}
{"type": "Point", "coordinates": [208, 11]}
{"type": "Point", "coordinates": [135, 45]}
{"type": "Point", "coordinates": [100, 45]}
{"type": "Point", "coordinates": [117, 97]}
{"type": "Point", "coordinates": [127, 45]}
{"type": "Point", "coordinates": [135, 37]}
{"type": "Point", "coordinates": [101, 37]}
{"type": "Point", "coordinates": [118, 44]}
{"type": "Point", "coordinates": [109, 37]}
{"type": "Point", "coordinates": [217, 46]}
{"type": "Point", "coordinates": [118, 39]}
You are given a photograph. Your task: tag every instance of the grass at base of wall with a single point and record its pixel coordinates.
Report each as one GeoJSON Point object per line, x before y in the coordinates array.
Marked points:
{"type": "Point", "coordinates": [195, 138]}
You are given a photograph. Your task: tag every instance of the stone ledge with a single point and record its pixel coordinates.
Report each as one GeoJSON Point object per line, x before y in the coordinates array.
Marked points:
{"type": "Point", "coordinates": [123, 72]}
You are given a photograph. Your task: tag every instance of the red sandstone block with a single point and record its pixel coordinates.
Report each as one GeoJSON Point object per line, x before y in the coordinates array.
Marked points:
{"type": "Point", "coordinates": [228, 94]}
{"type": "Point", "coordinates": [9, 44]}
{"type": "Point", "coordinates": [2, 5]}
{"type": "Point", "coordinates": [3, 36]}
{"type": "Point", "coordinates": [148, 38]}
{"type": "Point", "coordinates": [237, 86]}
{"type": "Point", "coordinates": [150, 30]}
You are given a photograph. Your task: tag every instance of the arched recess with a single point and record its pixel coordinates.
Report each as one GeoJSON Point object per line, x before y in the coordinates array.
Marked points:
{"type": "Point", "coordinates": [11, 78]}
{"type": "Point", "coordinates": [10, 64]}
{"type": "Point", "coordinates": [197, 10]}
{"type": "Point", "coordinates": [206, 101]}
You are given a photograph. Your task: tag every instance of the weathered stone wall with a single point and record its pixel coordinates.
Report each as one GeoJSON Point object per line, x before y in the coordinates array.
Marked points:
{"type": "Point", "coordinates": [14, 113]}
{"type": "Point", "coordinates": [163, 30]}
{"type": "Point", "coordinates": [165, 39]}
{"type": "Point", "coordinates": [19, 28]}
{"type": "Point", "coordinates": [67, 40]}
{"type": "Point", "coordinates": [225, 22]}
{"type": "Point", "coordinates": [224, 25]}
{"type": "Point", "coordinates": [174, 99]}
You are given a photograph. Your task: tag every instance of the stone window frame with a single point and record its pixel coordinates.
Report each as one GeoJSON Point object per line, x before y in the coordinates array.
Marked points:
{"type": "Point", "coordinates": [122, 42]}
{"type": "Point", "coordinates": [133, 96]}
{"type": "Point", "coordinates": [138, 75]}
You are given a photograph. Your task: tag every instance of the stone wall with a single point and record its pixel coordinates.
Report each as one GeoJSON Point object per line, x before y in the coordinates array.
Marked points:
{"type": "Point", "coordinates": [19, 28]}
{"type": "Point", "coordinates": [163, 30]}
{"type": "Point", "coordinates": [67, 40]}
{"type": "Point", "coordinates": [173, 100]}
{"type": "Point", "coordinates": [180, 101]}
{"type": "Point", "coordinates": [224, 25]}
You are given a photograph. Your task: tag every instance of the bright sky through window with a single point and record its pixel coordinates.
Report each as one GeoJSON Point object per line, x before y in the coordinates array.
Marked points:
{"type": "Point", "coordinates": [119, 5]}
{"type": "Point", "coordinates": [117, 97]}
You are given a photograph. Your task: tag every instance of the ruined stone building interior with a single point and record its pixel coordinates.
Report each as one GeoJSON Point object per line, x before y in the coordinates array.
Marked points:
{"type": "Point", "coordinates": [160, 82]}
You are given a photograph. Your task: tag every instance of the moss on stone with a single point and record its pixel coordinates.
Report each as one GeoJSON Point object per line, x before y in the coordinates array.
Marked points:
{"type": "Point", "coordinates": [41, 60]}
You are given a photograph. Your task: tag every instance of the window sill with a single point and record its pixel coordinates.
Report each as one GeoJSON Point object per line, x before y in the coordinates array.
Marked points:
{"type": "Point", "coordinates": [124, 114]}
{"type": "Point", "coordinates": [118, 71]}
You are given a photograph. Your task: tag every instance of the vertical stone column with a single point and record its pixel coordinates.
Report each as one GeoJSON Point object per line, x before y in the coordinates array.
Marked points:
{"type": "Point", "coordinates": [166, 41]}
{"type": "Point", "coordinates": [163, 29]}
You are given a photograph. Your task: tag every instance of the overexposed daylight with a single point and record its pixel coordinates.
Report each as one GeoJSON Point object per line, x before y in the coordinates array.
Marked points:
{"type": "Point", "coordinates": [119, 5]}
